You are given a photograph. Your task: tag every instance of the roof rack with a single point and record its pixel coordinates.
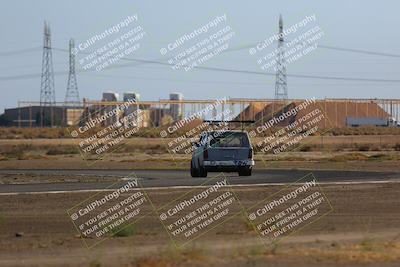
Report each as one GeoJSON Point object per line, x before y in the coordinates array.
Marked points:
{"type": "Point", "coordinates": [242, 122]}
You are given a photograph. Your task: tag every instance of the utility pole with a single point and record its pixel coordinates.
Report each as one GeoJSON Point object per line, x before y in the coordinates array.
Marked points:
{"type": "Point", "coordinates": [47, 92]}
{"type": "Point", "coordinates": [72, 94]}
{"type": "Point", "coordinates": [281, 92]}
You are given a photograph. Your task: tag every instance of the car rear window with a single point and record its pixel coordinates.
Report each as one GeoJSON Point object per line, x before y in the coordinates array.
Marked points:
{"type": "Point", "coordinates": [229, 139]}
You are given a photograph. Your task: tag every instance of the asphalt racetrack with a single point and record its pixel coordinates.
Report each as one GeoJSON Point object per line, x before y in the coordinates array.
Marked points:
{"type": "Point", "coordinates": [181, 178]}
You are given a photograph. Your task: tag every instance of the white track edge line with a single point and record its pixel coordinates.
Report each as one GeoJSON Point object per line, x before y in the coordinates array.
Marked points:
{"type": "Point", "coordinates": [188, 187]}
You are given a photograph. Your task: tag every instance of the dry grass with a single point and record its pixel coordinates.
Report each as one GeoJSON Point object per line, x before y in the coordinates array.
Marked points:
{"type": "Point", "coordinates": [31, 133]}
{"type": "Point", "coordinates": [62, 150]}
{"type": "Point", "coordinates": [378, 202]}
{"type": "Point", "coordinates": [54, 133]}
{"type": "Point", "coordinates": [363, 252]}
{"type": "Point", "coordinates": [363, 157]}
{"type": "Point", "coordinates": [367, 130]}
{"type": "Point", "coordinates": [159, 145]}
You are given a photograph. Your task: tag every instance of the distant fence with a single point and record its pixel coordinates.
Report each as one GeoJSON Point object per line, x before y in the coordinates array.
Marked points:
{"type": "Point", "coordinates": [251, 109]}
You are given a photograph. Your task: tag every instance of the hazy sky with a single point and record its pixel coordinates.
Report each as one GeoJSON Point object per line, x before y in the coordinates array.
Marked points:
{"type": "Point", "coordinates": [363, 24]}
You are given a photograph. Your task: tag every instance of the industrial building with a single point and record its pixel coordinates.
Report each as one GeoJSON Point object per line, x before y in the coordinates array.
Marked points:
{"type": "Point", "coordinates": [336, 111]}
{"type": "Point", "coordinates": [175, 109]}
{"type": "Point", "coordinates": [41, 116]}
{"type": "Point", "coordinates": [163, 112]}
{"type": "Point", "coordinates": [73, 111]}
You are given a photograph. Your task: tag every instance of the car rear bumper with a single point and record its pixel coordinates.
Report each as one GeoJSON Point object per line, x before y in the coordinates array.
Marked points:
{"type": "Point", "coordinates": [229, 163]}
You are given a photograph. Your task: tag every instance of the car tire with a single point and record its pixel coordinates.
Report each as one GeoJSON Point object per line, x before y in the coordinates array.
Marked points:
{"type": "Point", "coordinates": [203, 172]}
{"type": "Point", "coordinates": [245, 171]}
{"type": "Point", "coordinates": [193, 171]}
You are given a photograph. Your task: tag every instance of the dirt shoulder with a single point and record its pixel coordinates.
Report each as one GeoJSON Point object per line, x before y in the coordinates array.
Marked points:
{"type": "Point", "coordinates": [362, 230]}
{"type": "Point", "coordinates": [336, 161]}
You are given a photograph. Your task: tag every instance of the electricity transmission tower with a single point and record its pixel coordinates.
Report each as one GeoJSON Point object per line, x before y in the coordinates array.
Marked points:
{"type": "Point", "coordinates": [72, 94]}
{"type": "Point", "coordinates": [47, 92]}
{"type": "Point", "coordinates": [281, 91]}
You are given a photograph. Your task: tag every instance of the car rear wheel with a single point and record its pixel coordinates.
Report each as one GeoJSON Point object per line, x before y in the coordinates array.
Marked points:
{"type": "Point", "coordinates": [245, 171]}
{"type": "Point", "coordinates": [193, 171]}
{"type": "Point", "coordinates": [203, 172]}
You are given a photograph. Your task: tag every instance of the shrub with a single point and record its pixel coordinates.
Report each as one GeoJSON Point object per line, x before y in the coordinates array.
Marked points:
{"type": "Point", "coordinates": [305, 148]}
{"type": "Point", "coordinates": [62, 150]}
{"type": "Point", "coordinates": [18, 151]}
{"type": "Point", "coordinates": [396, 147]}
{"type": "Point", "coordinates": [364, 148]}
{"type": "Point", "coordinates": [121, 231]}
{"type": "Point", "coordinates": [380, 157]}
{"type": "Point", "coordinates": [349, 157]}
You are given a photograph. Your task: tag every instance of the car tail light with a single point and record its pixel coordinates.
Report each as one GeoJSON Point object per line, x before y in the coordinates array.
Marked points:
{"type": "Point", "coordinates": [205, 154]}
{"type": "Point", "coordinates": [250, 153]}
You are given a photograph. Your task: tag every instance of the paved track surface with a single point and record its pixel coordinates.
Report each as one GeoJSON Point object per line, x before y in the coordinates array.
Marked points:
{"type": "Point", "coordinates": [171, 178]}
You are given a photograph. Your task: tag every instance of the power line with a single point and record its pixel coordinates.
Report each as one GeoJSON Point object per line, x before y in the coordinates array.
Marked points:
{"type": "Point", "coordinates": [343, 49]}
{"type": "Point", "coordinates": [147, 61]}
{"type": "Point", "coordinates": [179, 80]}
{"type": "Point", "coordinates": [268, 73]}
{"type": "Point", "coordinates": [221, 82]}
{"type": "Point", "coordinates": [359, 51]}
{"type": "Point", "coordinates": [242, 47]}
{"type": "Point", "coordinates": [20, 51]}
{"type": "Point", "coordinates": [238, 48]}
{"type": "Point", "coordinates": [29, 76]}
